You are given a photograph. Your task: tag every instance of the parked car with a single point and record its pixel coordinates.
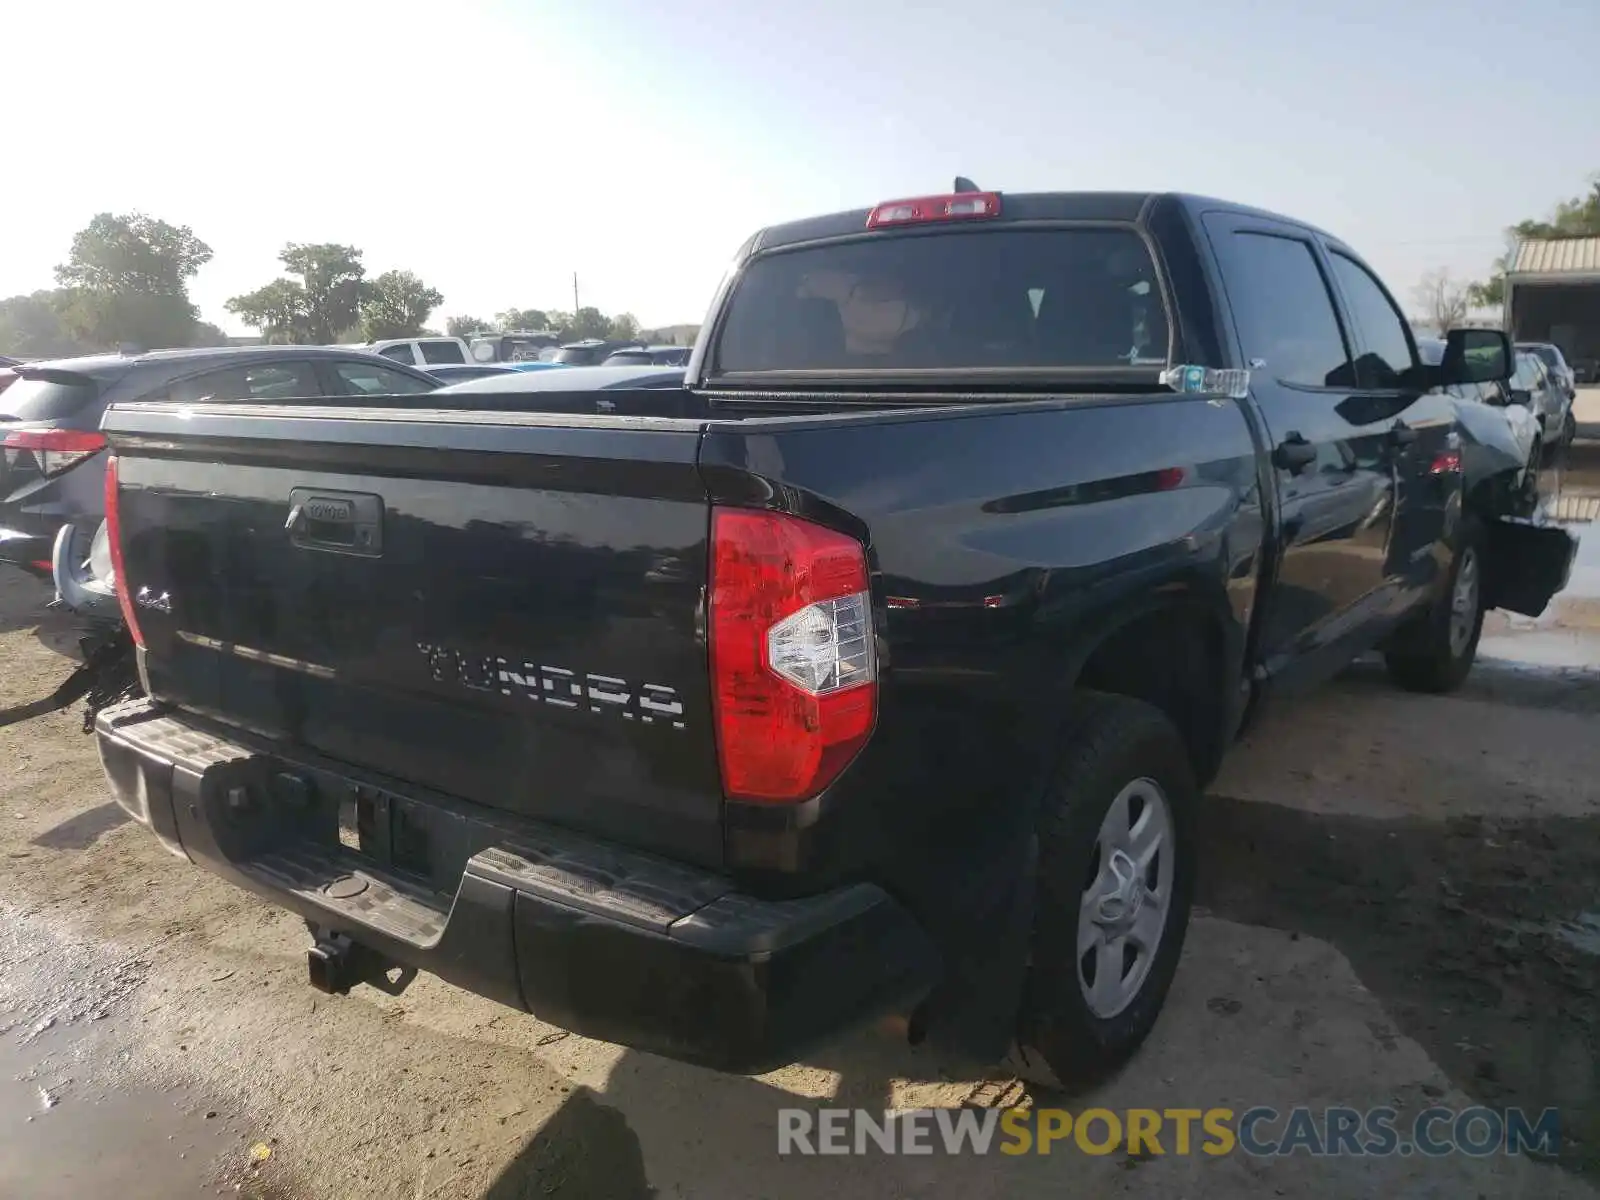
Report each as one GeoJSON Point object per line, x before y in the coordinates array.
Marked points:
{"type": "Point", "coordinates": [447, 373]}
{"type": "Point", "coordinates": [421, 352]}
{"type": "Point", "coordinates": [589, 353]}
{"type": "Point", "coordinates": [1555, 363]}
{"type": "Point", "coordinates": [81, 563]}
{"type": "Point", "coordinates": [53, 464]}
{"type": "Point", "coordinates": [576, 379]}
{"type": "Point", "coordinates": [514, 345]}
{"type": "Point", "coordinates": [665, 356]}
{"type": "Point", "coordinates": [884, 678]}
{"type": "Point", "coordinates": [1500, 440]}
{"type": "Point", "coordinates": [1549, 402]}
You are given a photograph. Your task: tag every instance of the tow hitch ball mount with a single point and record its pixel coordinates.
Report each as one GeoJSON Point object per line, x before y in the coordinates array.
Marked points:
{"type": "Point", "coordinates": [335, 964]}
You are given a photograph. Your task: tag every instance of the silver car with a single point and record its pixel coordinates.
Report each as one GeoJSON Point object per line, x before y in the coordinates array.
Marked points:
{"type": "Point", "coordinates": [1555, 362]}
{"type": "Point", "coordinates": [1534, 386]}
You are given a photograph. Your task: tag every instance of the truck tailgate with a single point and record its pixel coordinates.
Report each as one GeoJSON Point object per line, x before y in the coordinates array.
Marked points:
{"type": "Point", "coordinates": [502, 607]}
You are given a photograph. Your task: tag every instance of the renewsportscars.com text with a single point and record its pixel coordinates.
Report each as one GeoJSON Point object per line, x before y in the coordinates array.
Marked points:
{"type": "Point", "coordinates": [1260, 1131]}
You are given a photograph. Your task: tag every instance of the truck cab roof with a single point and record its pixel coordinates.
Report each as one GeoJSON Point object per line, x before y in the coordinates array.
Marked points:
{"type": "Point", "coordinates": [1119, 207]}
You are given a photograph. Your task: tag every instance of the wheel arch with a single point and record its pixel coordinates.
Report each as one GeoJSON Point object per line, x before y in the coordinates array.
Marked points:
{"type": "Point", "coordinates": [1179, 648]}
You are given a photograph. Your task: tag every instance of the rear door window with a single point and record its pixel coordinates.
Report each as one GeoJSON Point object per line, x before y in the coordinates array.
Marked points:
{"type": "Point", "coordinates": [371, 379]}
{"type": "Point", "coordinates": [54, 397]}
{"type": "Point", "coordinates": [400, 353]}
{"type": "Point", "coordinates": [1026, 298]}
{"type": "Point", "coordinates": [442, 352]}
{"type": "Point", "coordinates": [1284, 310]}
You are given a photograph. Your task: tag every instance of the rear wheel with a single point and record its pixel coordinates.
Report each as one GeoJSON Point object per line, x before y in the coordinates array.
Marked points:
{"type": "Point", "coordinates": [1569, 429]}
{"type": "Point", "coordinates": [1435, 652]}
{"type": "Point", "coordinates": [1116, 877]}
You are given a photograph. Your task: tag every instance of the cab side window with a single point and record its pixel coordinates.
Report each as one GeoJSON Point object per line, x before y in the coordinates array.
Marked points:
{"type": "Point", "coordinates": [1386, 354]}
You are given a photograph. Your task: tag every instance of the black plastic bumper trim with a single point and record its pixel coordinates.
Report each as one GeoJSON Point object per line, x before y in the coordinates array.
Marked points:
{"type": "Point", "coordinates": [605, 941]}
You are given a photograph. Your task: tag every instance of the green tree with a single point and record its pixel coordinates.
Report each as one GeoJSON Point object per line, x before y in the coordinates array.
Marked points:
{"type": "Point", "coordinates": [624, 327]}
{"type": "Point", "coordinates": [322, 300]}
{"type": "Point", "coordinates": [279, 310]}
{"type": "Point", "coordinates": [30, 327]}
{"type": "Point", "coordinates": [465, 327]}
{"type": "Point", "coordinates": [126, 280]}
{"type": "Point", "coordinates": [331, 277]}
{"type": "Point", "coordinates": [531, 319]}
{"type": "Point", "coordinates": [589, 322]}
{"type": "Point", "coordinates": [1577, 217]}
{"type": "Point", "coordinates": [207, 334]}
{"type": "Point", "coordinates": [396, 304]}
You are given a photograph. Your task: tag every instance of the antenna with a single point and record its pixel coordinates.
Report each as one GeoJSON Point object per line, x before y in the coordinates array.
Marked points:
{"type": "Point", "coordinates": [963, 184]}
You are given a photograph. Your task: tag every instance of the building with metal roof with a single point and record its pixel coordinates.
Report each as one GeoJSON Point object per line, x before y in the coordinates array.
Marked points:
{"type": "Point", "coordinates": [1565, 258]}
{"type": "Point", "coordinates": [1553, 295]}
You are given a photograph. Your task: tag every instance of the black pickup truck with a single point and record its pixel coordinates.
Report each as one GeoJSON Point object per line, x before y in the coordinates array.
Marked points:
{"type": "Point", "coordinates": [877, 671]}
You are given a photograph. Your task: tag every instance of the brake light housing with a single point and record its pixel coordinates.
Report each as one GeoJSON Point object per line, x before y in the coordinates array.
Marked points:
{"type": "Point", "coordinates": [54, 450]}
{"type": "Point", "coordinates": [793, 654]}
{"type": "Point", "coordinates": [923, 210]}
{"type": "Point", "coordinates": [130, 613]}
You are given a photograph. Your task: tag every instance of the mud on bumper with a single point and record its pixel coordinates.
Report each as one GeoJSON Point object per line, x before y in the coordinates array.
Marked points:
{"type": "Point", "coordinates": [597, 938]}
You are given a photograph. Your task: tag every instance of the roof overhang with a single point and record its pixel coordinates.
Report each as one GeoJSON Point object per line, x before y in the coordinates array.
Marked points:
{"type": "Point", "coordinates": [1537, 277]}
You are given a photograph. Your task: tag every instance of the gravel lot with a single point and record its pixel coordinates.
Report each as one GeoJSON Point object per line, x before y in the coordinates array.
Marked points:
{"type": "Point", "coordinates": [1401, 906]}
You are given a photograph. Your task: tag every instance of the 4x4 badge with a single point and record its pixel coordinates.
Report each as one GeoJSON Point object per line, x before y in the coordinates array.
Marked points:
{"type": "Point", "coordinates": [145, 598]}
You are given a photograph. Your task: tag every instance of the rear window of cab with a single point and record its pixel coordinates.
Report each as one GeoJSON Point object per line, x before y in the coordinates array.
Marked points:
{"type": "Point", "coordinates": [953, 299]}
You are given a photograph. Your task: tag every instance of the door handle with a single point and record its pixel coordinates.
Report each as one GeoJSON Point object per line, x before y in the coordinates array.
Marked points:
{"type": "Point", "coordinates": [1401, 434]}
{"type": "Point", "coordinates": [1294, 454]}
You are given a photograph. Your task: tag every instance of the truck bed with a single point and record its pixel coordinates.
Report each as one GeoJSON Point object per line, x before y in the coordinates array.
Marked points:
{"type": "Point", "coordinates": [524, 629]}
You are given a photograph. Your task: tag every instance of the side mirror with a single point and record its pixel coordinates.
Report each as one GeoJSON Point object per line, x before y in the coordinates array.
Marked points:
{"type": "Point", "coordinates": [1475, 356]}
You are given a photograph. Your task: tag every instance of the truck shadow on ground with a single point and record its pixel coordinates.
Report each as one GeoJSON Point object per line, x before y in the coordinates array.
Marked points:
{"type": "Point", "coordinates": [83, 830]}
{"type": "Point", "coordinates": [591, 1148]}
{"type": "Point", "coordinates": [1480, 937]}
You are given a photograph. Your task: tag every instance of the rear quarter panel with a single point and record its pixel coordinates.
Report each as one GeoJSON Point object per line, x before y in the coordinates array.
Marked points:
{"type": "Point", "coordinates": [1006, 539]}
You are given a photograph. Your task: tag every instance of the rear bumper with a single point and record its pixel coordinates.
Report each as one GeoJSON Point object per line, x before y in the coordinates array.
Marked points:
{"type": "Point", "coordinates": [596, 938]}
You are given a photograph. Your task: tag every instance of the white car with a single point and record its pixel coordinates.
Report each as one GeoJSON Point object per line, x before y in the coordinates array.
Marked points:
{"type": "Point", "coordinates": [421, 352]}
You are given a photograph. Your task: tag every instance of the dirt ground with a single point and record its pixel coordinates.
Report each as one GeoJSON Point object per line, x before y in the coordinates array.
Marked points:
{"type": "Point", "coordinates": [1400, 906]}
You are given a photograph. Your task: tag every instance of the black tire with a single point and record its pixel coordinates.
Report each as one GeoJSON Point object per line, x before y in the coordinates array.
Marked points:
{"type": "Point", "coordinates": [1423, 656]}
{"type": "Point", "coordinates": [1112, 741]}
{"type": "Point", "coordinates": [1569, 429]}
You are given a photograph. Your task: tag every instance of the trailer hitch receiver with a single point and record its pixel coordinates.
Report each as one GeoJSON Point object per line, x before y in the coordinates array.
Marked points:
{"type": "Point", "coordinates": [335, 964]}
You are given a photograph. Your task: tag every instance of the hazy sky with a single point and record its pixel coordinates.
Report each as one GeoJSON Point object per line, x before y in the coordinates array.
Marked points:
{"type": "Point", "coordinates": [496, 147]}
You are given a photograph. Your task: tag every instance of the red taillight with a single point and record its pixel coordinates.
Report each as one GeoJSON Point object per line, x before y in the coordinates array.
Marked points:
{"type": "Point", "coordinates": [793, 658]}
{"type": "Point", "coordinates": [1448, 462]}
{"type": "Point", "coordinates": [55, 450]}
{"type": "Point", "coordinates": [963, 206]}
{"type": "Point", "coordinates": [114, 540]}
